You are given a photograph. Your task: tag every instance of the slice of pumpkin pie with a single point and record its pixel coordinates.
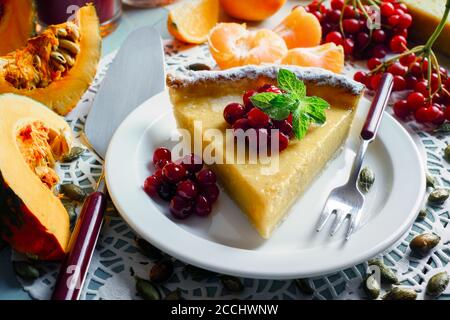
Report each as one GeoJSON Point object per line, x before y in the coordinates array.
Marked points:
{"type": "Point", "coordinates": [305, 112]}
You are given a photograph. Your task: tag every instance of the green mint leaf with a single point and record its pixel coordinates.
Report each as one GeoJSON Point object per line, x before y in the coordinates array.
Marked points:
{"type": "Point", "coordinates": [289, 82]}
{"type": "Point", "coordinates": [262, 100]}
{"type": "Point", "coordinates": [300, 123]}
{"type": "Point", "coordinates": [280, 107]}
{"type": "Point", "coordinates": [315, 107]}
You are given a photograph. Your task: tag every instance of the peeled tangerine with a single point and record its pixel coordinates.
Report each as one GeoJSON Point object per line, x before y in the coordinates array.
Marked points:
{"type": "Point", "coordinates": [327, 56]}
{"type": "Point", "coordinates": [300, 29]}
{"type": "Point", "coordinates": [32, 137]}
{"type": "Point", "coordinates": [232, 45]}
{"type": "Point", "coordinates": [252, 10]}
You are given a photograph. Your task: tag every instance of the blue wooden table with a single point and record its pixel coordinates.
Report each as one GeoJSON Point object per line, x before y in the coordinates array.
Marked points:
{"type": "Point", "coordinates": [131, 19]}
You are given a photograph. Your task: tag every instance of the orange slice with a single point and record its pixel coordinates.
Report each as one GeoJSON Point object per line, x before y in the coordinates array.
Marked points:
{"type": "Point", "coordinates": [252, 10]}
{"type": "Point", "coordinates": [328, 56]}
{"type": "Point", "coordinates": [191, 21]}
{"type": "Point", "coordinates": [300, 29]}
{"type": "Point", "coordinates": [232, 45]}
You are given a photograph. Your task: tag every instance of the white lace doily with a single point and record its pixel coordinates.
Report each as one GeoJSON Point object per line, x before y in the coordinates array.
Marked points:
{"type": "Point", "coordinates": [116, 257]}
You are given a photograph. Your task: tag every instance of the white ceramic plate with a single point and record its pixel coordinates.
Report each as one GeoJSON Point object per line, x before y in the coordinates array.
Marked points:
{"type": "Point", "coordinates": [226, 242]}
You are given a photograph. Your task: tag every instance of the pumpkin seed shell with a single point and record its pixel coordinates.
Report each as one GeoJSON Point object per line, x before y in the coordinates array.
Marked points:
{"type": "Point", "coordinates": [398, 293]}
{"type": "Point", "coordinates": [198, 67]}
{"type": "Point", "coordinates": [174, 295]}
{"type": "Point", "coordinates": [74, 154]}
{"type": "Point", "coordinates": [366, 179]}
{"type": "Point", "coordinates": [231, 283]}
{"type": "Point", "coordinates": [423, 243]}
{"type": "Point", "coordinates": [161, 271]}
{"type": "Point", "coordinates": [73, 192]}
{"type": "Point", "coordinates": [438, 196]}
{"type": "Point", "coordinates": [437, 284]}
{"type": "Point", "coordinates": [387, 274]}
{"type": "Point", "coordinates": [146, 289]}
{"type": "Point", "coordinates": [371, 287]}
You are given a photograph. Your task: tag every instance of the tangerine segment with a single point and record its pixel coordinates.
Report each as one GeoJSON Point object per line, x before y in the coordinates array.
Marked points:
{"type": "Point", "coordinates": [232, 45]}
{"type": "Point", "coordinates": [191, 21]}
{"type": "Point", "coordinates": [300, 29]}
{"type": "Point", "coordinates": [327, 56]}
{"type": "Point", "coordinates": [252, 10]}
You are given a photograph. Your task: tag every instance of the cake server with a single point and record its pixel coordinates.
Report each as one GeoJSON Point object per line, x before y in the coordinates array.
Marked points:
{"type": "Point", "coordinates": [347, 200]}
{"type": "Point", "coordinates": [136, 74]}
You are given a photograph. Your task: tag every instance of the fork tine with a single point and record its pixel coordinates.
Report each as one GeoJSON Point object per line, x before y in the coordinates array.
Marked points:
{"type": "Point", "coordinates": [340, 217]}
{"type": "Point", "coordinates": [354, 222]}
{"type": "Point", "coordinates": [326, 213]}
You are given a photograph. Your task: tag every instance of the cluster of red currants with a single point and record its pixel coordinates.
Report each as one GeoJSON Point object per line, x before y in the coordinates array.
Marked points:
{"type": "Point", "coordinates": [188, 186]}
{"type": "Point", "coordinates": [246, 116]}
{"type": "Point", "coordinates": [349, 26]}
{"type": "Point", "coordinates": [429, 98]}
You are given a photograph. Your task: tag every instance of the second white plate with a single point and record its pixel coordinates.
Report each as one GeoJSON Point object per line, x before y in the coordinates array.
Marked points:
{"type": "Point", "coordinates": [226, 242]}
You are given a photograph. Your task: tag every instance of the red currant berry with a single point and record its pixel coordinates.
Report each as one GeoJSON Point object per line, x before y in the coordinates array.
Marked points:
{"type": "Point", "coordinates": [349, 12]}
{"type": "Point", "coordinates": [180, 208]}
{"type": "Point", "coordinates": [375, 81]}
{"type": "Point", "coordinates": [411, 82]}
{"type": "Point", "coordinates": [408, 59]}
{"type": "Point", "coordinates": [399, 12]}
{"type": "Point", "coordinates": [161, 154]}
{"type": "Point", "coordinates": [334, 37]}
{"type": "Point", "coordinates": [379, 51]}
{"type": "Point", "coordinates": [174, 172]}
{"type": "Point", "coordinates": [387, 9]}
{"type": "Point", "coordinates": [158, 174]}
{"type": "Point", "coordinates": [405, 21]}
{"type": "Point", "coordinates": [206, 177]}
{"type": "Point", "coordinates": [233, 112]}
{"type": "Point", "coordinates": [257, 118]}
{"type": "Point", "coordinates": [269, 88]}
{"type": "Point", "coordinates": [284, 126]}
{"type": "Point", "coordinates": [161, 163]}
{"type": "Point", "coordinates": [360, 76]}
{"type": "Point", "coordinates": [283, 141]}
{"type": "Point", "coordinates": [379, 36]}
{"type": "Point", "coordinates": [333, 16]}
{"type": "Point", "coordinates": [349, 45]}
{"type": "Point", "coordinates": [393, 20]}
{"type": "Point", "coordinates": [337, 4]}
{"type": "Point", "coordinates": [434, 81]}
{"type": "Point", "coordinates": [247, 95]}
{"type": "Point", "coordinates": [401, 32]}
{"type": "Point", "coordinates": [398, 44]}
{"type": "Point", "coordinates": [416, 70]}
{"type": "Point", "coordinates": [399, 83]}
{"type": "Point", "coordinates": [439, 117]}
{"type": "Point", "coordinates": [362, 40]}
{"type": "Point", "coordinates": [447, 84]}
{"type": "Point", "coordinates": [187, 189]}
{"type": "Point", "coordinates": [415, 101]}
{"type": "Point", "coordinates": [421, 115]}
{"type": "Point", "coordinates": [401, 109]}
{"type": "Point", "coordinates": [318, 15]}
{"type": "Point", "coordinates": [192, 163]}
{"type": "Point", "coordinates": [399, 5]}
{"type": "Point", "coordinates": [202, 206]}
{"type": "Point", "coordinates": [166, 191]}
{"type": "Point", "coordinates": [350, 25]}
{"type": "Point", "coordinates": [241, 124]}
{"type": "Point", "coordinates": [422, 87]}
{"type": "Point", "coordinates": [211, 192]}
{"type": "Point", "coordinates": [372, 63]}
{"type": "Point", "coordinates": [151, 186]}
{"type": "Point", "coordinates": [397, 69]}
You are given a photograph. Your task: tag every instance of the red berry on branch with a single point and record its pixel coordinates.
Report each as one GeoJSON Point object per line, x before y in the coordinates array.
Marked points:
{"type": "Point", "coordinates": [411, 82]}
{"type": "Point", "coordinates": [399, 83]}
{"type": "Point", "coordinates": [398, 44]}
{"type": "Point", "coordinates": [408, 59]}
{"type": "Point", "coordinates": [379, 51]}
{"type": "Point", "coordinates": [405, 21]}
{"type": "Point", "coordinates": [372, 63]}
{"type": "Point", "coordinates": [349, 45]}
{"type": "Point", "coordinates": [401, 109]}
{"type": "Point", "coordinates": [379, 36]}
{"type": "Point", "coordinates": [387, 9]}
{"type": "Point", "coordinates": [360, 76]}
{"type": "Point", "coordinates": [422, 87]}
{"type": "Point", "coordinates": [350, 25]}
{"type": "Point", "coordinates": [421, 115]}
{"type": "Point", "coordinates": [393, 20]}
{"type": "Point", "coordinates": [397, 69]}
{"type": "Point", "coordinates": [334, 37]}
{"type": "Point", "coordinates": [337, 4]}
{"type": "Point", "coordinates": [415, 101]}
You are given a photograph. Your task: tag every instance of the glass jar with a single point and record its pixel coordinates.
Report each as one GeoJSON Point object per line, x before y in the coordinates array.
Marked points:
{"type": "Point", "coordinates": [59, 11]}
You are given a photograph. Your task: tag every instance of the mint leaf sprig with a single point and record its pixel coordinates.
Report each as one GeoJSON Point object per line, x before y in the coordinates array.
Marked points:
{"type": "Point", "coordinates": [305, 110]}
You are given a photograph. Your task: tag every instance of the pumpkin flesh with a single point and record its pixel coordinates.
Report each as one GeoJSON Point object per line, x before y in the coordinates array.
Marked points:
{"type": "Point", "coordinates": [32, 138]}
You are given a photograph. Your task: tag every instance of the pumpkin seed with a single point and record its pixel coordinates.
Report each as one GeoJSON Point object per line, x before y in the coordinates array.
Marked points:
{"type": "Point", "coordinates": [398, 293]}
{"type": "Point", "coordinates": [58, 66]}
{"type": "Point", "coordinates": [231, 283]}
{"type": "Point", "coordinates": [443, 128]}
{"type": "Point", "coordinates": [174, 295]}
{"type": "Point", "coordinates": [198, 67]}
{"type": "Point", "coordinates": [438, 197]}
{"type": "Point", "coordinates": [70, 46]}
{"type": "Point", "coordinates": [61, 33]}
{"type": "Point", "coordinates": [69, 59]}
{"type": "Point", "coordinates": [71, 211]}
{"type": "Point", "coordinates": [437, 284]}
{"type": "Point", "coordinates": [371, 287]}
{"type": "Point", "coordinates": [447, 153]}
{"type": "Point", "coordinates": [146, 289]}
{"type": "Point", "coordinates": [161, 271]}
{"type": "Point", "coordinates": [58, 57]}
{"type": "Point", "coordinates": [197, 273]}
{"type": "Point", "coordinates": [387, 275]}
{"type": "Point", "coordinates": [73, 192]}
{"type": "Point", "coordinates": [304, 286]}
{"type": "Point", "coordinates": [423, 243]}
{"type": "Point", "coordinates": [422, 214]}
{"type": "Point", "coordinates": [366, 179]}
{"type": "Point", "coordinates": [74, 34]}
{"type": "Point", "coordinates": [37, 61]}
{"type": "Point", "coordinates": [26, 270]}
{"type": "Point", "coordinates": [74, 154]}
{"type": "Point", "coordinates": [147, 249]}
{"type": "Point", "coordinates": [431, 181]}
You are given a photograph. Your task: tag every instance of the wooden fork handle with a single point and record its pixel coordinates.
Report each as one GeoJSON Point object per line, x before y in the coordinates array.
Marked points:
{"type": "Point", "coordinates": [377, 107]}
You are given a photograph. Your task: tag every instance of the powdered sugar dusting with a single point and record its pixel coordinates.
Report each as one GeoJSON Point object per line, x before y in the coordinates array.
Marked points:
{"type": "Point", "coordinates": [318, 76]}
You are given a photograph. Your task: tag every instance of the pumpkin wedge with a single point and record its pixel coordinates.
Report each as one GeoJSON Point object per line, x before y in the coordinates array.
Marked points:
{"type": "Point", "coordinates": [57, 66]}
{"type": "Point", "coordinates": [16, 24]}
{"type": "Point", "coordinates": [32, 219]}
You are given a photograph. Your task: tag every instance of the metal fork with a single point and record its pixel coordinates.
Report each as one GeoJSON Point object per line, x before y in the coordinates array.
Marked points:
{"type": "Point", "coordinates": [347, 200]}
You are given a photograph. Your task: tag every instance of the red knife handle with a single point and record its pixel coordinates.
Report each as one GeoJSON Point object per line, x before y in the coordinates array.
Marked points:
{"type": "Point", "coordinates": [377, 107]}
{"type": "Point", "coordinates": [82, 244]}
